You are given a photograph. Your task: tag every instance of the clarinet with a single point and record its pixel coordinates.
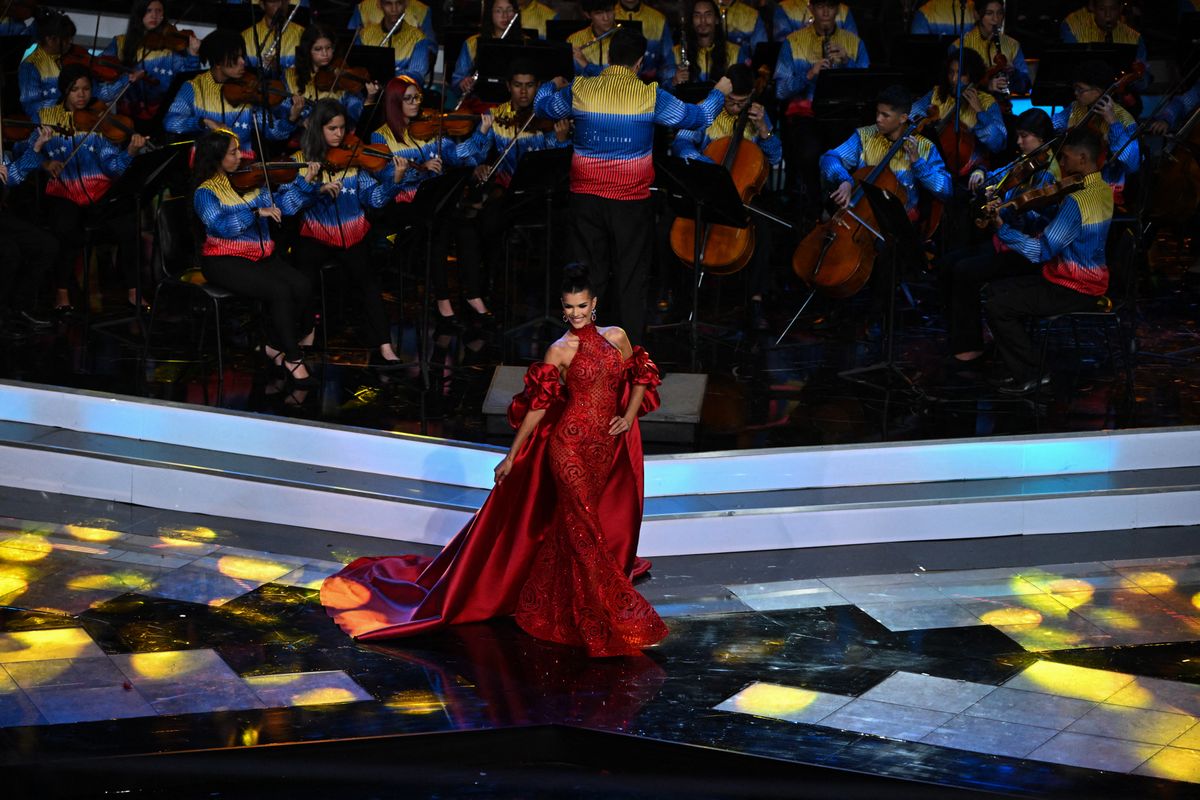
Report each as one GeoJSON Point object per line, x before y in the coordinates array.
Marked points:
{"type": "Point", "coordinates": [1006, 94]}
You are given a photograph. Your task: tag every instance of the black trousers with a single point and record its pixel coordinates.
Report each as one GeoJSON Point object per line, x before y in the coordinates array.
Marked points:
{"type": "Point", "coordinates": [310, 254]}
{"type": "Point", "coordinates": [1010, 302]}
{"type": "Point", "coordinates": [285, 291]}
{"type": "Point", "coordinates": [67, 222]}
{"type": "Point", "coordinates": [963, 275]}
{"type": "Point", "coordinates": [26, 254]}
{"type": "Point", "coordinates": [480, 242]}
{"type": "Point", "coordinates": [614, 238]}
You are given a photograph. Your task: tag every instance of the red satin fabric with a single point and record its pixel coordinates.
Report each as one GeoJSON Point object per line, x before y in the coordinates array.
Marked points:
{"type": "Point", "coordinates": [483, 571]}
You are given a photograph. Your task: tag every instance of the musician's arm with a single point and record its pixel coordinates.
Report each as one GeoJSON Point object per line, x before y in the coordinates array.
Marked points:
{"type": "Point", "coordinates": [783, 26]}
{"type": "Point", "coordinates": [221, 221]}
{"type": "Point", "coordinates": [860, 60]}
{"type": "Point", "coordinates": [669, 110]}
{"type": "Point", "coordinates": [758, 35]}
{"type": "Point", "coordinates": [294, 197]}
{"type": "Point", "coordinates": [1062, 230]}
{"type": "Point", "coordinates": [279, 125]}
{"type": "Point", "coordinates": [689, 145]}
{"type": "Point", "coordinates": [109, 91]}
{"type": "Point", "coordinates": [771, 146]}
{"type": "Point", "coordinates": [552, 103]}
{"type": "Point", "coordinates": [111, 48]}
{"type": "Point", "coordinates": [666, 51]}
{"type": "Point", "coordinates": [990, 130]}
{"type": "Point", "coordinates": [791, 74]}
{"type": "Point", "coordinates": [182, 116]}
{"type": "Point", "coordinates": [469, 152]}
{"type": "Point", "coordinates": [1019, 79]}
{"type": "Point", "coordinates": [920, 25]}
{"type": "Point", "coordinates": [384, 175]}
{"type": "Point", "coordinates": [931, 171]}
{"type": "Point", "coordinates": [1122, 138]}
{"type": "Point", "coordinates": [836, 164]}
{"type": "Point", "coordinates": [32, 97]}
{"type": "Point", "coordinates": [114, 159]}
{"type": "Point", "coordinates": [463, 66]}
{"type": "Point", "coordinates": [920, 106]}
{"type": "Point", "coordinates": [849, 24]}
{"type": "Point", "coordinates": [420, 61]}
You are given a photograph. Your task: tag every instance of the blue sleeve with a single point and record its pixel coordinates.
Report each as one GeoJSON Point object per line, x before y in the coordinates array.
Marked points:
{"type": "Point", "coordinates": [296, 196]}
{"type": "Point", "coordinates": [108, 91]}
{"type": "Point", "coordinates": [772, 147]}
{"type": "Point", "coordinates": [31, 89]}
{"type": "Point", "coordinates": [1122, 140]}
{"type": "Point", "coordinates": [758, 35]}
{"type": "Point", "coordinates": [353, 103]}
{"type": "Point", "coordinates": [355, 20]}
{"type": "Point", "coordinates": [111, 49]}
{"type": "Point", "coordinates": [384, 175]}
{"type": "Point", "coordinates": [932, 174]}
{"type": "Point", "coordinates": [223, 221]}
{"type": "Point", "coordinates": [1062, 230]}
{"type": "Point", "coordinates": [861, 59]}
{"type": "Point", "coordinates": [669, 110]}
{"type": "Point", "coordinates": [666, 49]}
{"type": "Point", "coordinates": [589, 71]}
{"type": "Point", "coordinates": [1068, 35]}
{"type": "Point", "coordinates": [791, 74]}
{"type": "Point", "coordinates": [1019, 80]}
{"type": "Point", "coordinates": [689, 145]}
{"type": "Point", "coordinates": [1062, 120]}
{"type": "Point", "coordinates": [666, 72]}
{"type": "Point", "coordinates": [427, 28]}
{"type": "Point", "coordinates": [849, 23]}
{"type": "Point", "coordinates": [416, 66]}
{"type": "Point", "coordinates": [184, 62]}
{"type": "Point", "coordinates": [920, 24]}
{"type": "Point", "coordinates": [552, 103]}
{"type": "Point", "coordinates": [182, 116]}
{"type": "Point", "coordinates": [781, 24]}
{"type": "Point", "coordinates": [920, 107]}
{"type": "Point", "coordinates": [279, 127]}
{"type": "Point", "coordinates": [469, 152]}
{"type": "Point", "coordinates": [372, 193]}
{"type": "Point", "coordinates": [990, 130]}
{"type": "Point", "coordinates": [462, 67]}
{"type": "Point", "coordinates": [114, 159]}
{"type": "Point", "coordinates": [837, 164]}
{"type": "Point", "coordinates": [22, 167]}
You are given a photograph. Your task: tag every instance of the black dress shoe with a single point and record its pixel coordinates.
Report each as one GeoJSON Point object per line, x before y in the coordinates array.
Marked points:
{"type": "Point", "coordinates": [1014, 387]}
{"type": "Point", "coordinates": [377, 361]}
{"type": "Point", "coordinates": [447, 324]}
{"type": "Point", "coordinates": [33, 321]}
{"type": "Point", "coordinates": [484, 318]}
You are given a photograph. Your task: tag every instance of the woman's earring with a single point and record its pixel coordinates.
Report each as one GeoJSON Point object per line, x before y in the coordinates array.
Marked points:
{"type": "Point", "coordinates": [593, 315]}
{"type": "Point", "coordinates": [565, 318]}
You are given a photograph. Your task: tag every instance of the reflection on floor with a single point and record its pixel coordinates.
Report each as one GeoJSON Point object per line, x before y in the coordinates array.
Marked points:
{"type": "Point", "coordinates": [125, 630]}
{"type": "Point", "coordinates": [758, 394]}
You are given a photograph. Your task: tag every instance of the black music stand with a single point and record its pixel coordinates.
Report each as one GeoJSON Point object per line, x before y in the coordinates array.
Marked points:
{"type": "Point", "coordinates": [429, 203]}
{"type": "Point", "coordinates": [542, 173]}
{"type": "Point", "coordinates": [704, 193]}
{"type": "Point", "coordinates": [493, 57]}
{"type": "Point", "coordinates": [895, 233]}
{"type": "Point", "coordinates": [922, 56]}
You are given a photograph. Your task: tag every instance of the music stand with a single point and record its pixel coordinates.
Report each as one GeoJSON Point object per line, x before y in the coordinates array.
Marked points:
{"type": "Point", "coordinates": [380, 62]}
{"type": "Point", "coordinates": [493, 57]}
{"type": "Point", "coordinates": [557, 30]}
{"type": "Point", "coordinates": [765, 55]}
{"type": "Point", "coordinates": [1055, 85]}
{"type": "Point", "coordinates": [693, 93]}
{"type": "Point", "coordinates": [12, 50]}
{"type": "Point", "coordinates": [921, 57]}
{"type": "Point", "coordinates": [896, 233]}
{"type": "Point", "coordinates": [542, 173]}
{"type": "Point", "coordinates": [704, 193]}
{"type": "Point", "coordinates": [427, 205]}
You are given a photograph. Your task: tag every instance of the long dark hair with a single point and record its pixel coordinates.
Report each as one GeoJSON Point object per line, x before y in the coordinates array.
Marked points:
{"type": "Point", "coordinates": [717, 63]}
{"type": "Point", "coordinates": [210, 152]}
{"type": "Point", "coordinates": [973, 70]}
{"type": "Point", "coordinates": [135, 31]}
{"type": "Point", "coordinates": [312, 141]}
{"type": "Point", "coordinates": [486, 25]}
{"type": "Point", "coordinates": [304, 62]}
{"type": "Point", "coordinates": [67, 77]}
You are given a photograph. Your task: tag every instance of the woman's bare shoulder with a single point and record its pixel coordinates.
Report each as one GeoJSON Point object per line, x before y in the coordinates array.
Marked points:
{"type": "Point", "coordinates": [619, 339]}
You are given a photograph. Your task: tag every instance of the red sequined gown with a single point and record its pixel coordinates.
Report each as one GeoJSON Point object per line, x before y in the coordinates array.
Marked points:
{"type": "Point", "coordinates": [555, 542]}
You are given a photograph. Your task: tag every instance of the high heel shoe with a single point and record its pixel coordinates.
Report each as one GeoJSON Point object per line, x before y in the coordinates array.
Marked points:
{"type": "Point", "coordinates": [291, 366]}
{"type": "Point", "coordinates": [274, 364]}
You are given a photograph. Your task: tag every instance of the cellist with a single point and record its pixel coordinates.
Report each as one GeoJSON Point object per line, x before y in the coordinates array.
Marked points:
{"type": "Point", "coordinates": [979, 113]}
{"type": "Point", "coordinates": [691, 144]}
{"type": "Point", "coordinates": [1114, 125]}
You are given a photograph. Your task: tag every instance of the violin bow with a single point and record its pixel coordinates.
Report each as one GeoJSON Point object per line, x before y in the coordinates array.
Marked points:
{"type": "Point", "coordinates": [337, 75]}
{"type": "Point", "coordinates": [503, 35]}
{"type": "Point", "coordinates": [508, 149]}
{"type": "Point", "coordinates": [103, 116]}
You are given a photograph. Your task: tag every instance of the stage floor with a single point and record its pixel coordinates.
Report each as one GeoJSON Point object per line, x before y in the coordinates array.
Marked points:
{"type": "Point", "coordinates": [1055, 665]}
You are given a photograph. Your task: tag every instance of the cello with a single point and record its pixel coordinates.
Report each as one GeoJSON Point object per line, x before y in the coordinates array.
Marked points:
{"type": "Point", "coordinates": [726, 249]}
{"type": "Point", "coordinates": [836, 257]}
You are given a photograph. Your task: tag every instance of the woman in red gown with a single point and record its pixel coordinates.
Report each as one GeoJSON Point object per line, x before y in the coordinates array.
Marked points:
{"type": "Point", "coordinates": [555, 543]}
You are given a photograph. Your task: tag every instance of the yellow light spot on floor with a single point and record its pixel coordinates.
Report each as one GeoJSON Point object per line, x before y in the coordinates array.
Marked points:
{"type": "Point", "coordinates": [415, 701]}
{"type": "Point", "coordinates": [772, 700]}
{"type": "Point", "coordinates": [170, 664]}
{"type": "Point", "coordinates": [1155, 579]}
{"type": "Point", "coordinates": [1045, 604]}
{"type": "Point", "coordinates": [1070, 592]}
{"type": "Point", "coordinates": [1068, 680]}
{"type": "Point", "coordinates": [119, 581]}
{"type": "Point", "coordinates": [249, 737]}
{"type": "Point", "coordinates": [198, 532]}
{"type": "Point", "coordinates": [27, 547]}
{"type": "Point", "coordinates": [322, 695]}
{"type": "Point", "coordinates": [88, 534]}
{"type": "Point", "coordinates": [1121, 620]}
{"type": "Point", "coordinates": [1175, 764]}
{"type": "Point", "coordinates": [1195, 597]}
{"type": "Point", "coordinates": [250, 569]}
{"type": "Point", "coordinates": [175, 541]}
{"type": "Point", "coordinates": [1012, 616]}
{"type": "Point", "coordinates": [47, 645]}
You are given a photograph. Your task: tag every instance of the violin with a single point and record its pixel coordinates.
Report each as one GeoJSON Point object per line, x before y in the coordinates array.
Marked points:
{"type": "Point", "coordinates": [433, 123]}
{"type": "Point", "coordinates": [253, 175]}
{"type": "Point", "coordinates": [1035, 198]}
{"type": "Point", "coordinates": [1023, 169]}
{"type": "Point", "coordinates": [341, 78]}
{"type": "Point", "coordinates": [1092, 119]}
{"type": "Point", "coordinates": [114, 127]}
{"type": "Point", "coordinates": [353, 152]}
{"type": "Point", "coordinates": [520, 118]}
{"type": "Point", "coordinates": [13, 129]}
{"type": "Point", "coordinates": [167, 37]}
{"type": "Point", "coordinates": [248, 90]}
{"type": "Point", "coordinates": [104, 69]}
{"type": "Point", "coordinates": [957, 146]}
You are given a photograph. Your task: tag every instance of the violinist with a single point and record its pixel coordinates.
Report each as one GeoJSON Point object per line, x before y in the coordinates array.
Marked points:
{"type": "Point", "coordinates": [1074, 268]}
{"type": "Point", "coordinates": [978, 115]}
{"type": "Point", "coordinates": [917, 165]}
{"type": "Point", "coordinates": [333, 223]}
{"type": "Point", "coordinates": [201, 103]}
{"type": "Point", "coordinates": [1100, 22]}
{"type": "Point", "coordinates": [792, 15]}
{"type": "Point", "coordinates": [414, 52]}
{"type": "Point", "coordinates": [942, 17]}
{"type": "Point", "coordinates": [743, 24]}
{"type": "Point", "coordinates": [314, 64]}
{"type": "Point", "coordinates": [1114, 125]}
{"type": "Point", "coordinates": [709, 52]}
{"type": "Point", "coordinates": [160, 62]}
{"type": "Point", "coordinates": [272, 41]}
{"type": "Point", "coordinates": [587, 45]}
{"type": "Point", "coordinates": [402, 105]}
{"type": "Point", "coordinates": [38, 73]}
{"type": "Point", "coordinates": [535, 15]}
{"type": "Point", "coordinates": [654, 28]}
{"type": "Point", "coordinates": [417, 14]}
{"type": "Point", "coordinates": [498, 16]}
{"type": "Point", "coordinates": [964, 272]}
{"type": "Point", "coordinates": [804, 56]}
{"type": "Point", "coordinates": [238, 253]}
{"type": "Point", "coordinates": [479, 237]}
{"type": "Point", "coordinates": [26, 251]}
{"type": "Point", "coordinates": [691, 145]}
{"type": "Point", "coordinates": [82, 167]}
{"type": "Point", "coordinates": [988, 39]}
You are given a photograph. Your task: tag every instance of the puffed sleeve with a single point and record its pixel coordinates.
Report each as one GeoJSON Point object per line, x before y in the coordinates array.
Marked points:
{"type": "Point", "coordinates": [639, 369]}
{"type": "Point", "coordinates": [542, 390]}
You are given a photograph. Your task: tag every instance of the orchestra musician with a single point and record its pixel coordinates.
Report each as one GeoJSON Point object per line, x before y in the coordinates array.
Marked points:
{"type": "Point", "coordinates": [612, 167]}
{"type": "Point", "coordinates": [979, 114]}
{"type": "Point", "coordinates": [269, 43]}
{"type": "Point", "coordinates": [709, 52]}
{"type": "Point", "coordinates": [805, 54]}
{"type": "Point", "coordinates": [201, 103]}
{"type": "Point", "coordinates": [26, 251]}
{"type": "Point", "coordinates": [942, 18]}
{"type": "Point", "coordinates": [1100, 22]}
{"type": "Point", "coordinates": [480, 235]}
{"type": "Point", "coordinates": [917, 165]}
{"type": "Point", "coordinates": [1114, 125]}
{"type": "Point", "coordinates": [38, 73]}
{"type": "Point", "coordinates": [535, 15]}
{"type": "Point", "coordinates": [792, 15]}
{"type": "Point", "coordinates": [743, 25]}
{"type": "Point", "coordinates": [1074, 268]}
{"type": "Point", "coordinates": [160, 63]}
{"type": "Point", "coordinates": [82, 166]}
{"type": "Point", "coordinates": [426, 157]}
{"type": "Point", "coordinates": [655, 29]}
{"type": "Point", "coordinates": [332, 207]}
{"type": "Point", "coordinates": [238, 252]}
{"type": "Point", "coordinates": [987, 38]}
{"type": "Point", "coordinates": [314, 58]}
{"type": "Point", "coordinates": [498, 16]}
{"type": "Point", "coordinates": [591, 52]}
{"type": "Point", "coordinates": [417, 14]}
{"type": "Point", "coordinates": [691, 144]}
{"type": "Point", "coordinates": [414, 51]}
{"type": "Point", "coordinates": [965, 272]}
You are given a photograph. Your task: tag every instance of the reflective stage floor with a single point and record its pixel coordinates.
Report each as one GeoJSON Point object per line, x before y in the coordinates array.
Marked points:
{"type": "Point", "coordinates": [1041, 666]}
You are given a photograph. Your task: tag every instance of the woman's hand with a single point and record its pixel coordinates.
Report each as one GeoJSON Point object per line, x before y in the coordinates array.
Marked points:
{"type": "Point", "coordinates": [841, 195]}
{"type": "Point", "coordinates": [136, 143]}
{"type": "Point", "coordinates": [193, 45]}
{"type": "Point", "coordinates": [1106, 108]}
{"type": "Point", "coordinates": [485, 122]}
{"type": "Point", "coordinates": [467, 84]}
{"type": "Point", "coordinates": [333, 188]}
{"type": "Point", "coordinates": [503, 468]}
{"type": "Point", "coordinates": [682, 75]}
{"type": "Point", "coordinates": [298, 102]}
{"type": "Point", "coordinates": [271, 212]}
{"type": "Point", "coordinates": [433, 165]}
{"type": "Point", "coordinates": [45, 133]}
{"type": "Point", "coordinates": [399, 167]}
{"type": "Point", "coordinates": [971, 95]}
{"type": "Point", "coordinates": [311, 170]}
{"type": "Point", "coordinates": [55, 168]}
{"type": "Point", "coordinates": [910, 149]}
{"type": "Point", "coordinates": [618, 425]}
{"type": "Point", "coordinates": [1157, 128]}
{"type": "Point", "coordinates": [976, 180]}
{"type": "Point", "coordinates": [562, 129]}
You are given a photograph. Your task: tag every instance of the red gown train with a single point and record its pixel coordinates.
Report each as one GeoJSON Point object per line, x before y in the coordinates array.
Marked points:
{"type": "Point", "coordinates": [555, 542]}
